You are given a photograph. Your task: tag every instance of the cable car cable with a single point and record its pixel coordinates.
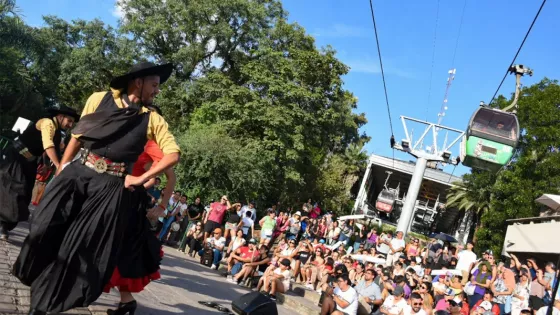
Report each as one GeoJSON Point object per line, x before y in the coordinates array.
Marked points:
{"type": "Point", "coordinates": [518, 51]}
{"type": "Point", "coordinates": [381, 65]}
{"type": "Point", "coordinates": [433, 59]}
{"type": "Point", "coordinates": [458, 35]}
{"type": "Point", "coordinates": [383, 77]}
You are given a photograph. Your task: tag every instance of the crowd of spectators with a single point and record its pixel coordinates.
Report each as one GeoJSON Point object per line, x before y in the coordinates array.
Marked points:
{"type": "Point", "coordinates": [356, 269]}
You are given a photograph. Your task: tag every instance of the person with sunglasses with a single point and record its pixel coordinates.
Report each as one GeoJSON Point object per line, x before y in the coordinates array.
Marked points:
{"type": "Point", "coordinates": [415, 307]}
{"type": "Point", "coordinates": [342, 300]}
{"type": "Point", "coordinates": [394, 303]}
{"type": "Point", "coordinates": [217, 243]}
{"type": "Point", "coordinates": [312, 268]}
{"type": "Point", "coordinates": [369, 293]}
{"type": "Point", "coordinates": [424, 290]}
{"type": "Point", "coordinates": [215, 216]}
{"type": "Point", "coordinates": [412, 249]}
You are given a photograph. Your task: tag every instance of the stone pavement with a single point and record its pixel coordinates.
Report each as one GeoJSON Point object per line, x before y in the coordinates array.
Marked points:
{"type": "Point", "coordinates": [184, 282]}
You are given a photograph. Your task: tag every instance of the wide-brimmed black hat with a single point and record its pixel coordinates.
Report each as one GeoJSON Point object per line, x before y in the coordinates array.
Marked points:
{"type": "Point", "coordinates": [64, 110]}
{"type": "Point", "coordinates": [140, 70]}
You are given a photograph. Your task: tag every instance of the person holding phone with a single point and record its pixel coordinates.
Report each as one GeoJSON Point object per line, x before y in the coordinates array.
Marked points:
{"type": "Point", "coordinates": [341, 300]}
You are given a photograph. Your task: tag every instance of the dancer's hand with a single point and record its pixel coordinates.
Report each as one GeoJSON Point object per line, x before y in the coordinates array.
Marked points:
{"type": "Point", "coordinates": [131, 181]}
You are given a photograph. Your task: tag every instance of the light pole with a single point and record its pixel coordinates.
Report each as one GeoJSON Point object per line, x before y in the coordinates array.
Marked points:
{"type": "Point", "coordinates": [434, 154]}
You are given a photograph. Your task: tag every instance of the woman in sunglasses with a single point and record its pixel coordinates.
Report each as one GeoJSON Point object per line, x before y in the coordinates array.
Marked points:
{"type": "Point", "coordinates": [425, 289]}
{"type": "Point", "coordinates": [312, 268]}
{"type": "Point", "coordinates": [412, 249]}
{"type": "Point", "coordinates": [358, 274]}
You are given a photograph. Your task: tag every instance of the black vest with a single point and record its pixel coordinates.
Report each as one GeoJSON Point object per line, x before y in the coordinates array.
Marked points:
{"type": "Point", "coordinates": [125, 146]}
{"type": "Point", "coordinates": [32, 139]}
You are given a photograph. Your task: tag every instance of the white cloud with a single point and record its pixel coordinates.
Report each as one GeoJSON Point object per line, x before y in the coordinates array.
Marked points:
{"type": "Point", "coordinates": [118, 11]}
{"type": "Point", "coordinates": [342, 30]}
{"type": "Point", "coordinates": [371, 65]}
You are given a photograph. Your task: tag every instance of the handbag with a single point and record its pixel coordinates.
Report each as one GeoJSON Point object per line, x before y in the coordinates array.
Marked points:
{"type": "Point", "coordinates": [469, 288]}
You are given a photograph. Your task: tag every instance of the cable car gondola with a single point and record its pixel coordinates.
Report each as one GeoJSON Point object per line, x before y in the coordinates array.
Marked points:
{"type": "Point", "coordinates": [493, 134]}
{"type": "Point", "coordinates": [387, 197]}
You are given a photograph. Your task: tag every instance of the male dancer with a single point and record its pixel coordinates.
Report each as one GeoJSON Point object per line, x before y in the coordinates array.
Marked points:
{"type": "Point", "coordinates": [18, 164]}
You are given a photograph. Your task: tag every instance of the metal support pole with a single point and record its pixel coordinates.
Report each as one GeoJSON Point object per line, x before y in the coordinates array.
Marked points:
{"type": "Point", "coordinates": [362, 193]}
{"type": "Point", "coordinates": [412, 194]}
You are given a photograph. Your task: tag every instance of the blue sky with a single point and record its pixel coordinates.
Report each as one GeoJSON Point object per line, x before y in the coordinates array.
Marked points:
{"type": "Point", "coordinates": [490, 35]}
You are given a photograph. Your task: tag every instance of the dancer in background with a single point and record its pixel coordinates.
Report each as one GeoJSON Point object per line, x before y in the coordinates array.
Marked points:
{"type": "Point", "coordinates": [140, 256]}
{"type": "Point", "coordinates": [75, 238]}
{"type": "Point", "coordinates": [18, 164]}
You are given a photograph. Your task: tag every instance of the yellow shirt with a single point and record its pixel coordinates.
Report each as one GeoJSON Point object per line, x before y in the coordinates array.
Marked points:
{"type": "Point", "coordinates": [158, 130]}
{"type": "Point", "coordinates": [47, 127]}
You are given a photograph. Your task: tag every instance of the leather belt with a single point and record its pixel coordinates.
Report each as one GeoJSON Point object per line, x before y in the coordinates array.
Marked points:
{"type": "Point", "coordinates": [103, 165]}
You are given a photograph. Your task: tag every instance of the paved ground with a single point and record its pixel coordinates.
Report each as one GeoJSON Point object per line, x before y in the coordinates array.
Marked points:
{"type": "Point", "coordinates": [184, 282]}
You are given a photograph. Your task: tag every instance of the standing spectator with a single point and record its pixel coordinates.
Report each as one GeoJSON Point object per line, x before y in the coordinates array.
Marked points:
{"type": "Point", "coordinates": [282, 225]}
{"type": "Point", "coordinates": [371, 240]}
{"type": "Point", "coordinates": [482, 279]}
{"type": "Point", "coordinates": [215, 216]}
{"type": "Point", "coordinates": [369, 294]}
{"type": "Point", "coordinates": [170, 214]}
{"type": "Point", "coordinates": [217, 243]}
{"type": "Point", "coordinates": [251, 208]}
{"type": "Point", "coordinates": [181, 218]}
{"type": "Point", "coordinates": [233, 220]}
{"type": "Point", "coordinates": [247, 225]}
{"type": "Point", "coordinates": [268, 224]}
{"type": "Point", "coordinates": [322, 228]}
{"type": "Point", "coordinates": [466, 260]}
{"type": "Point", "coordinates": [307, 207]}
{"type": "Point", "coordinates": [383, 242]}
{"type": "Point", "coordinates": [195, 211]}
{"type": "Point", "coordinates": [315, 211]}
{"type": "Point", "coordinates": [342, 300]}
{"type": "Point", "coordinates": [396, 246]}
{"type": "Point", "coordinates": [295, 226]}
{"type": "Point", "coordinates": [520, 300]}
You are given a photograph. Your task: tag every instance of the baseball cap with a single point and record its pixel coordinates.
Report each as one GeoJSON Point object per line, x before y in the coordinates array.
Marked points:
{"type": "Point", "coordinates": [450, 292]}
{"type": "Point", "coordinates": [298, 213]}
{"type": "Point", "coordinates": [322, 241]}
{"type": "Point", "coordinates": [486, 305]}
{"type": "Point", "coordinates": [252, 241]}
{"type": "Point", "coordinates": [398, 290]}
{"type": "Point", "coordinates": [285, 262]}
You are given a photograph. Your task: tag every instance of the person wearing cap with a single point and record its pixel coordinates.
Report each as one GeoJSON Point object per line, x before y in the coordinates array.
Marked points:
{"type": "Point", "coordinates": [76, 234]}
{"type": "Point", "coordinates": [342, 300]}
{"type": "Point", "coordinates": [276, 281]}
{"type": "Point", "coordinates": [443, 304]}
{"type": "Point", "coordinates": [394, 303]}
{"type": "Point", "coordinates": [19, 161]}
{"type": "Point", "coordinates": [217, 242]}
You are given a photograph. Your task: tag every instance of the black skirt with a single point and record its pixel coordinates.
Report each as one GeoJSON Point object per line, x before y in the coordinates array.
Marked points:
{"type": "Point", "coordinates": [17, 177]}
{"type": "Point", "coordinates": [140, 255]}
{"type": "Point", "coordinates": [74, 240]}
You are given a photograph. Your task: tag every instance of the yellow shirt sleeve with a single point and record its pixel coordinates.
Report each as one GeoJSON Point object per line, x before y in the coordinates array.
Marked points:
{"type": "Point", "coordinates": [47, 128]}
{"type": "Point", "coordinates": [91, 106]}
{"type": "Point", "coordinates": [158, 130]}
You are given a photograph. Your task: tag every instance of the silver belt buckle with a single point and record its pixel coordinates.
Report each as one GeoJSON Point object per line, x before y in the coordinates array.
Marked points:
{"type": "Point", "coordinates": [100, 166]}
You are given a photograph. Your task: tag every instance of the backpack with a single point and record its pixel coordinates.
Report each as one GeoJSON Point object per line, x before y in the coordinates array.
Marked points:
{"type": "Point", "coordinates": [207, 257]}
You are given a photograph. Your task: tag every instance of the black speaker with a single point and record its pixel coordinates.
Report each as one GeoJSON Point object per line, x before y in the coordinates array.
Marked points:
{"type": "Point", "coordinates": [254, 303]}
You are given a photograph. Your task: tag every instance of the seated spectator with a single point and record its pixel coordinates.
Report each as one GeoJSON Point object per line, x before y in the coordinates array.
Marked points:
{"type": "Point", "coordinates": [277, 280]}
{"type": "Point", "coordinates": [217, 243]}
{"type": "Point", "coordinates": [255, 268]}
{"type": "Point", "coordinates": [424, 290]}
{"type": "Point", "coordinates": [394, 303]}
{"type": "Point", "coordinates": [486, 304]}
{"type": "Point", "coordinates": [358, 274]}
{"type": "Point", "coordinates": [369, 293]}
{"type": "Point", "coordinates": [312, 268]}
{"type": "Point", "coordinates": [193, 239]}
{"type": "Point", "coordinates": [324, 273]}
{"type": "Point", "coordinates": [301, 256]}
{"type": "Point", "coordinates": [443, 304]}
{"type": "Point", "coordinates": [555, 308]}
{"type": "Point", "coordinates": [237, 241]}
{"type": "Point", "coordinates": [415, 307]}
{"type": "Point", "coordinates": [342, 300]}
{"type": "Point", "coordinates": [244, 254]}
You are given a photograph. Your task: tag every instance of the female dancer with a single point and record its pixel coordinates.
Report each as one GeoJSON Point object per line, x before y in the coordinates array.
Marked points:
{"type": "Point", "coordinates": [141, 253]}
{"type": "Point", "coordinates": [75, 237]}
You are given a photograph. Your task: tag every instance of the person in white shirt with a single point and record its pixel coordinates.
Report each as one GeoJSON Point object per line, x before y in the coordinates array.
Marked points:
{"type": "Point", "coordinates": [466, 260]}
{"type": "Point", "coordinates": [217, 242]}
{"type": "Point", "coordinates": [341, 301]}
{"type": "Point", "coordinates": [396, 246]}
{"type": "Point", "coordinates": [250, 207]}
{"type": "Point", "coordinates": [383, 243]}
{"type": "Point", "coordinates": [415, 307]}
{"type": "Point", "coordinates": [395, 303]}
{"type": "Point", "coordinates": [246, 225]}
{"type": "Point", "coordinates": [555, 309]}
